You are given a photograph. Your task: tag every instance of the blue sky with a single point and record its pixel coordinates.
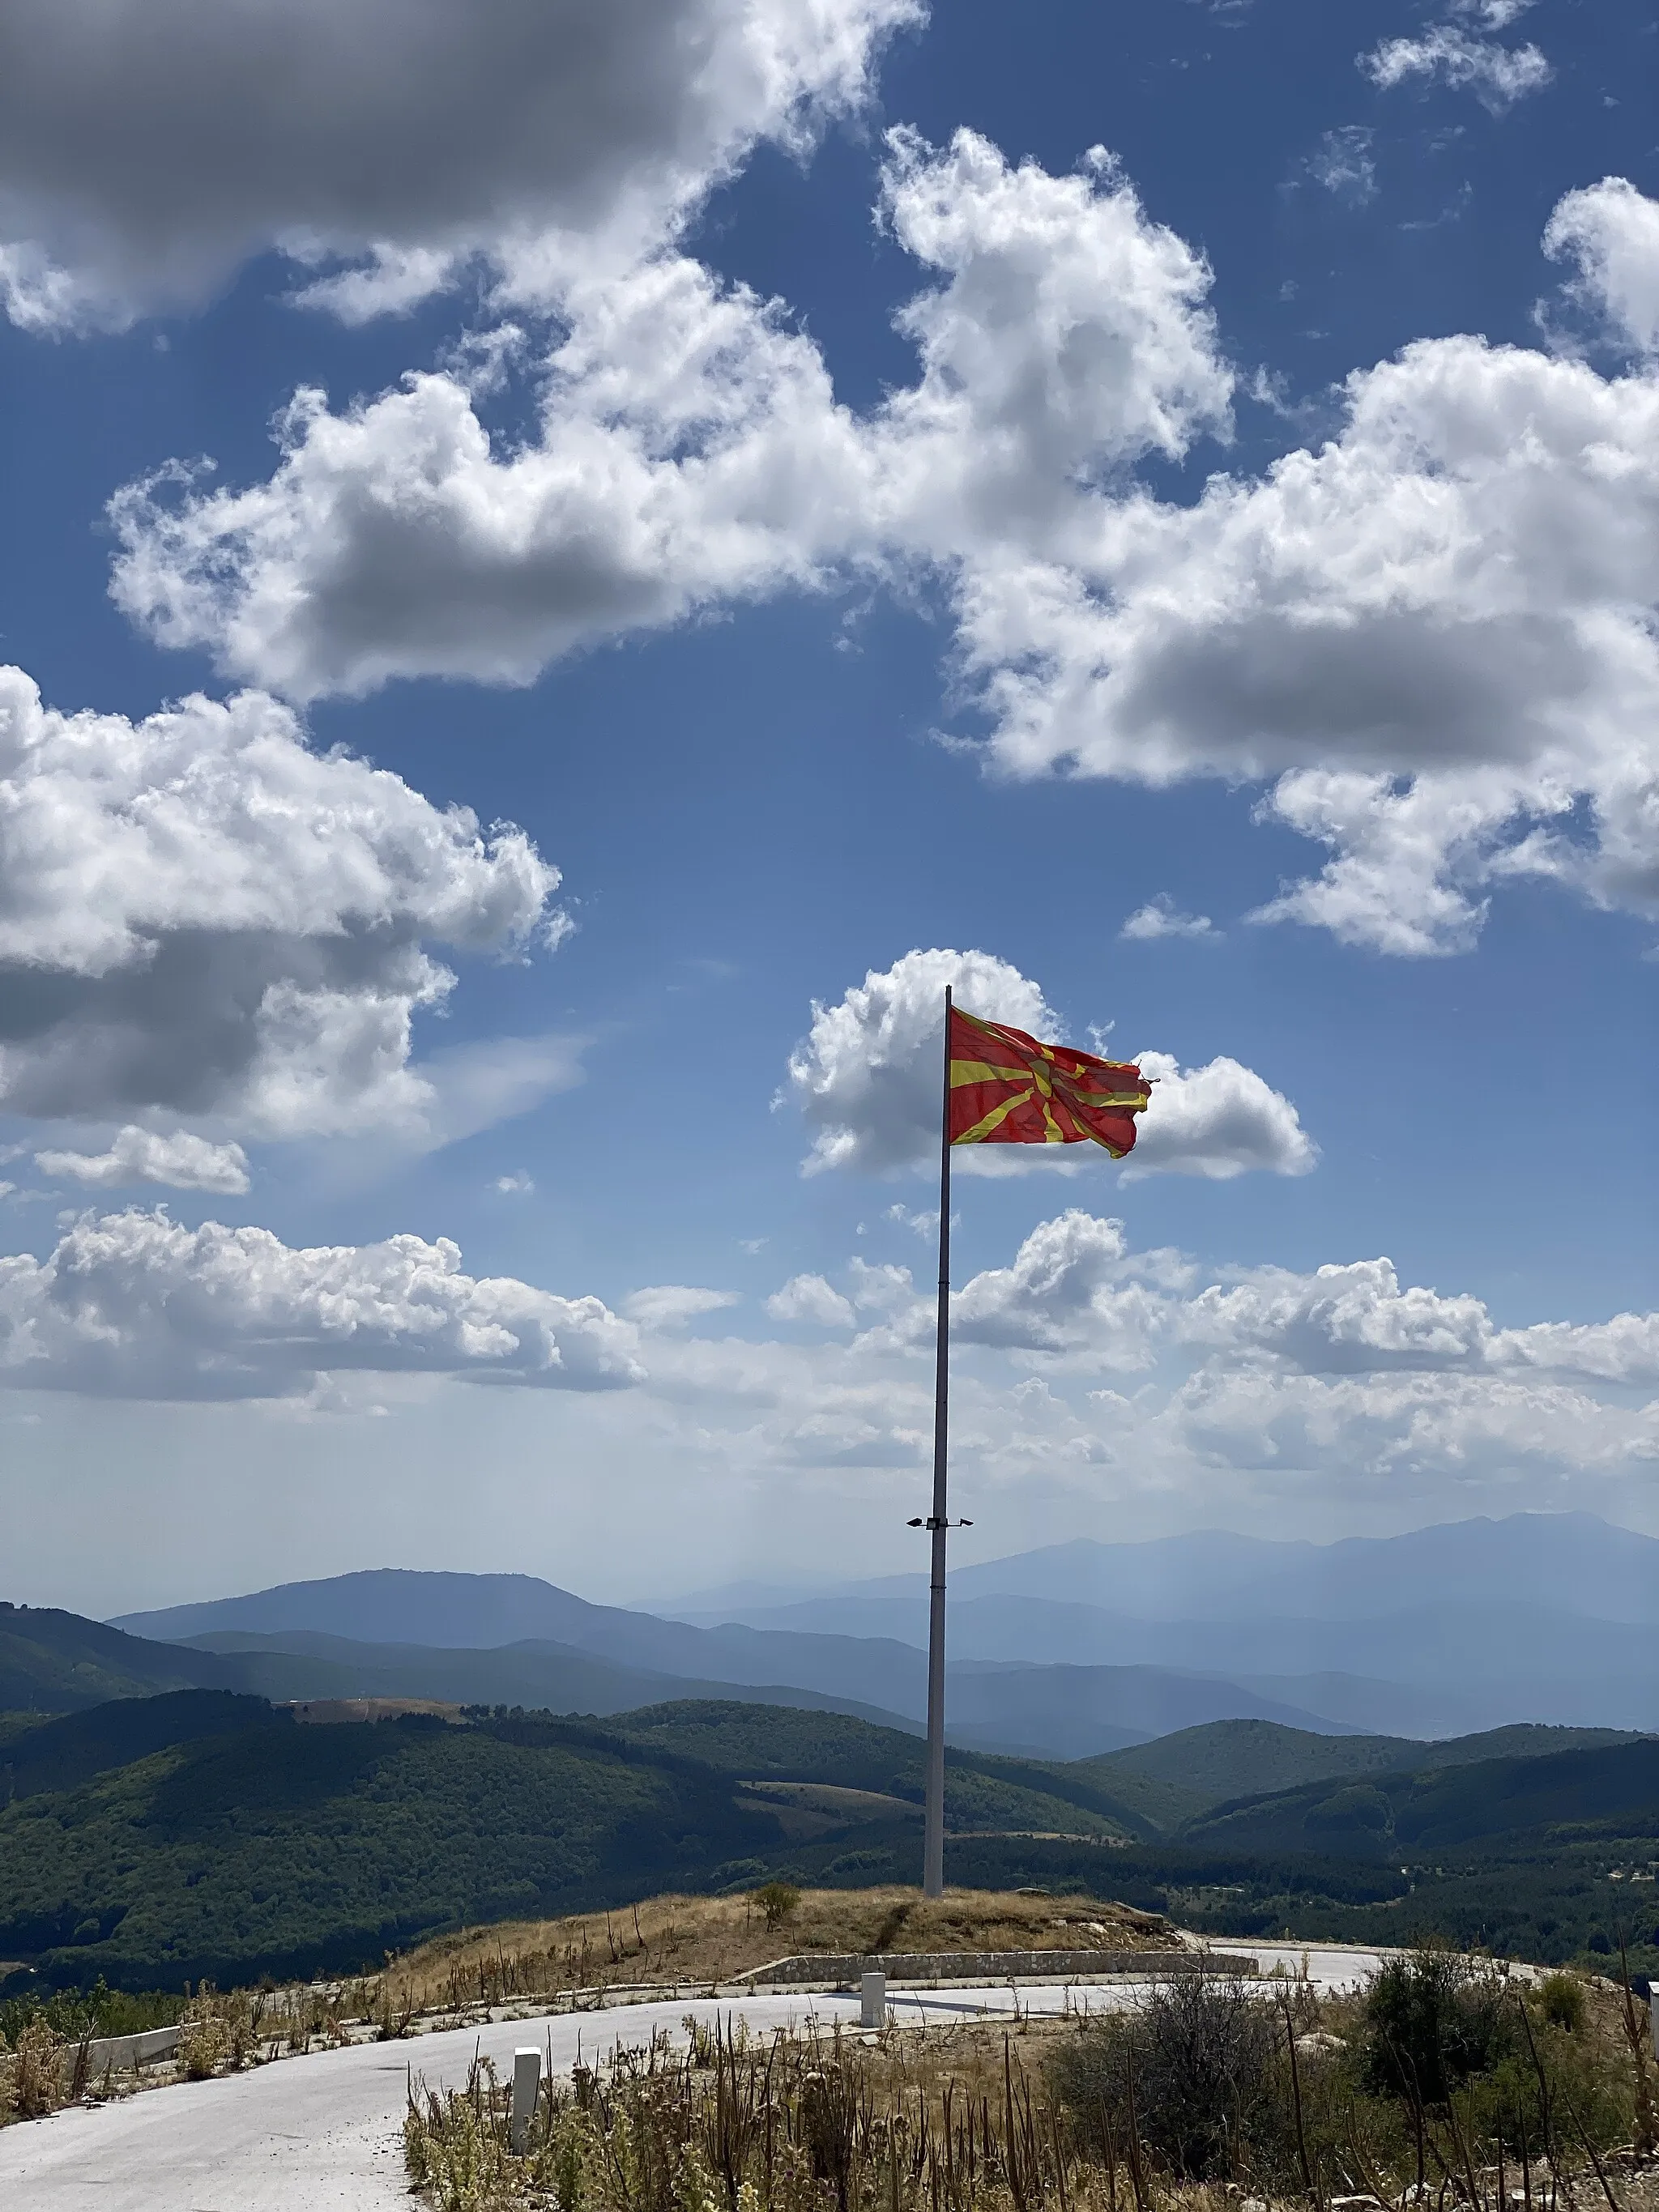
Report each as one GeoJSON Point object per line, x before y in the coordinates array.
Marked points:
{"type": "Point", "coordinates": [795, 660]}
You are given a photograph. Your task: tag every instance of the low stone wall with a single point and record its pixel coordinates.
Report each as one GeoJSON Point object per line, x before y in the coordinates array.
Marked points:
{"type": "Point", "coordinates": [988, 1965]}
{"type": "Point", "coordinates": [118, 2053]}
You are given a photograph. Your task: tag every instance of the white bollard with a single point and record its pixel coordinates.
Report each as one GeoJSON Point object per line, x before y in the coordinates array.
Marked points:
{"type": "Point", "coordinates": [873, 2001]}
{"type": "Point", "coordinates": [526, 2080]}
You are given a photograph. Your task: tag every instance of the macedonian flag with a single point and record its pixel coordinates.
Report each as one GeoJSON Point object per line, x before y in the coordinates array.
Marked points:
{"type": "Point", "coordinates": [1007, 1089]}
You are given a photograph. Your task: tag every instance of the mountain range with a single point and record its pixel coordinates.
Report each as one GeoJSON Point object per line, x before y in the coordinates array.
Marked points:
{"type": "Point", "coordinates": [1063, 1712]}
{"type": "Point", "coordinates": [1065, 1651]}
{"type": "Point", "coordinates": [1576, 1563]}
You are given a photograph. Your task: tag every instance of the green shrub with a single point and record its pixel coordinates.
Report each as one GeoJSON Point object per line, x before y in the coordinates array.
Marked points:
{"type": "Point", "coordinates": [778, 1901]}
{"type": "Point", "coordinates": [1195, 2064]}
{"type": "Point", "coordinates": [1561, 2001]}
{"type": "Point", "coordinates": [1431, 2022]}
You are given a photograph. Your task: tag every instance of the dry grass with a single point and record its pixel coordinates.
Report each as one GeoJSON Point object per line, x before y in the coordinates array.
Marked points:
{"type": "Point", "coordinates": [1052, 2113]}
{"type": "Point", "coordinates": [951, 2121]}
{"type": "Point", "coordinates": [220, 2034]}
{"type": "Point", "coordinates": [31, 2074]}
{"type": "Point", "coordinates": [700, 1941]}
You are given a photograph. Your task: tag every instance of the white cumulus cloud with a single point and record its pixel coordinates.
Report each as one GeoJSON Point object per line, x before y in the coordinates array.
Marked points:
{"type": "Point", "coordinates": [1430, 637]}
{"type": "Point", "coordinates": [867, 1077]}
{"type": "Point", "coordinates": [1218, 1120]}
{"type": "Point", "coordinates": [1077, 1286]}
{"type": "Point", "coordinates": [690, 447]}
{"type": "Point", "coordinates": [1612, 231]}
{"type": "Point", "coordinates": [1071, 335]}
{"type": "Point", "coordinates": [690, 451]}
{"type": "Point", "coordinates": [867, 1081]}
{"type": "Point", "coordinates": [177, 1158]}
{"type": "Point", "coordinates": [135, 1306]}
{"type": "Point", "coordinates": [1073, 1283]}
{"type": "Point", "coordinates": [202, 913]}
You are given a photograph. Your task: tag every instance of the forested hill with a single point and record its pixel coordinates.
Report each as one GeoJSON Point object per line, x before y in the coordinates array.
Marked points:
{"type": "Point", "coordinates": [1437, 1807]}
{"type": "Point", "coordinates": [282, 1848]}
{"type": "Point", "coordinates": [61, 1754]}
{"type": "Point", "coordinates": [1176, 1778]}
{"type": "Point", "coordinates": [191, 1834]}
{"type": "Point", "coordinates": [52, 1661]}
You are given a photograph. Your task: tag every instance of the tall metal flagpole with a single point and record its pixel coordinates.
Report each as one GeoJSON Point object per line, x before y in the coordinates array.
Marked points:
{"type": "Point", "coordinates": [933, 1849]}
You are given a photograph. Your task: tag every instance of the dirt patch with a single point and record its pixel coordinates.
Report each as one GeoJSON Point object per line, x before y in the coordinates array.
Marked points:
{"type": "Point", "coordinates": [335, 1712]}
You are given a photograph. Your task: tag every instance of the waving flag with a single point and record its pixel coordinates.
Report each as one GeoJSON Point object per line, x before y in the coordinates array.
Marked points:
{"type": "Point", "coordinates": [1007, 1089]}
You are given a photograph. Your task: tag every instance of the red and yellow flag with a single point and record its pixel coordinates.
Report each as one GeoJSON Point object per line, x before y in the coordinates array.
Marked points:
{"type": "Point", "coordinates": [1007, 1089]}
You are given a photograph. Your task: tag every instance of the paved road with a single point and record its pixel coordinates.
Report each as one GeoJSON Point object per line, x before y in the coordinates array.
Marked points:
{"type": "Point", "coordinates": [1330, 1966]}
{"type": "Point", "coordinates": [315, 2134]}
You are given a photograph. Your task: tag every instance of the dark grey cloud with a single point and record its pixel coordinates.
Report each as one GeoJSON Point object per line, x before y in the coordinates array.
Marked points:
{"type": "Point", "coordinates": [146, 147]}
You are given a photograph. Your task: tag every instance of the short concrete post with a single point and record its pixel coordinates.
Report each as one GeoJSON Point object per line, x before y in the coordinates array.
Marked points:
{"type": "Point", "coordinates": [526, 2080]}
{"type": "Point", "coordinates": [873, 2001]}
{"type": "Point", "coordinates": [1653, 2008]}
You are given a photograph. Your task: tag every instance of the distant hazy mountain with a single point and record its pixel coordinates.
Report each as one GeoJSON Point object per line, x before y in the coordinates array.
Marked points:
{"type": "Point", "coordinates": [486, 1611]}
{"type": "Point", "coordinates": [391, 1605]}
{"type": "Point", "coordinates": [1081, 1647]}
{"type": "Point", "coordinates": [1568, 1563]}
{"type": "Point", "coordinates": [1543, 1617]}
{"type": "Point", "coordinates": [1047, 1710]}
{"type": "Point", "coordinates": [538, 1675]}
{"type": "Point", "coordinates": [1072, 1712]}
{"type": "Point", "coordinates": [1456, 1640]}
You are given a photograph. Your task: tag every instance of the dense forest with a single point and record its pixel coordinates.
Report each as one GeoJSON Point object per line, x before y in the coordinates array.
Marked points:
{"type": "Point", "coordinates": [153, 1840]}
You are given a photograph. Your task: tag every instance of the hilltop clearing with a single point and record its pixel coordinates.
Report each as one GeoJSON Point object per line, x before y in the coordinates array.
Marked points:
{"type": "Point", "coordinates": [714, 1939]}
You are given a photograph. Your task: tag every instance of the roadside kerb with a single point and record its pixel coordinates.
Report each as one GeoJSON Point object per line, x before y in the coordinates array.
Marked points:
{"type": "Point", "coordinates": [115, 2053]}
{"type": "Point", "coordinates": [828, 1971]}
{"type": "Point", "coordinates": [831, 1970]}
